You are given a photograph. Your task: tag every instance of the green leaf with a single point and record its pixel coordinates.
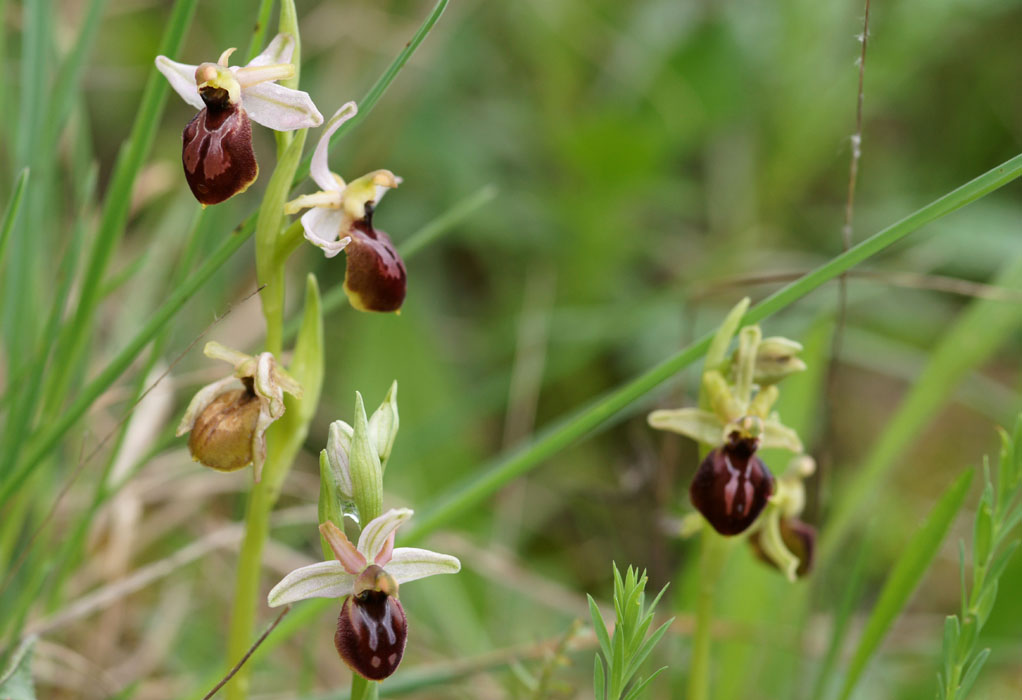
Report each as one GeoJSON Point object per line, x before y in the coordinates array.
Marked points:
{"type": "Point", "coordinates": [641, 687]}
{"type": "Point", "coordinates": [599, 626]}
{"type": "Point", "coordinates": [906, 575]}
{"type": "Point", "coordinates": [599, 679]}
{"type": "Point", "coordinates": [969, 679]}
{"type": "Point", "coordinates": [950, 646]}
{"type": "Point", "coordinates": [16, 680]}
{"type": "Point", "coordinates": [983, 533]}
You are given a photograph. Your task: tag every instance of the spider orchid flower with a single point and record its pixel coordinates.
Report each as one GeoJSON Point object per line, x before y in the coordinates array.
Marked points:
{"type": "Point", "coordinates": [228, 418]}
{"type": "Point", "coordinates": [340, 217]}
{"type": "Point", "coordinates": [217, 153]}
{"type": "Point", "coordinates": [372, 628]}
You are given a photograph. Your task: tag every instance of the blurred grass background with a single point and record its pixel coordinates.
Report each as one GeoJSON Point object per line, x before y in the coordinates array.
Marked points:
{"type": "Point", "coordinates": [646, 158]}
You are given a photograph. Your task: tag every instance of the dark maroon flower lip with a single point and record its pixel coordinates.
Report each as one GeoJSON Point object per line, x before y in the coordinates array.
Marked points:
{"type": "Point", "coordinates": [732, 486]}
{"type": "Point", "coordinates": [372, 631]}
{"type": "Point", "coordinates": [375, 278]}
{"type": "Point", "coordinates": [217, 152]}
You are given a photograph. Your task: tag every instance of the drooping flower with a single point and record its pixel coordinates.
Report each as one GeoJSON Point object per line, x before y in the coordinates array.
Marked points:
{"type": "Point", "coordinates": [732, 485]}
{"type": "Point", "coordinates": [372, 628]}
{"type": "Point", "coordinates": [217, 151]}
{"type": "Point", "coordinates": [228, 418]}
{"type": "Point", "coordinates": [340, 217]}
{"type": "Point", "coordinates": [781, 539]}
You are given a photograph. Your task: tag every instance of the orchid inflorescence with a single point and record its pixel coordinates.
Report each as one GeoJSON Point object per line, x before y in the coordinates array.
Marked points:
{"type": "Point", "coordinates": [372, 628]}
{"type": "Point", "coordinates": [733, 489]}
{"type": "Point", "coordinates": [228, 419]}
{"type": "Point", "coordinates": [219, 162]}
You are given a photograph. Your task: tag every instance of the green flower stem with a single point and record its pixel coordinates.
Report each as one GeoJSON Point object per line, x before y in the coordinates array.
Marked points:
{"type": "Point", "coordinates": [362, 689]}
{"type": "Point", "coordinates": [485, 482]}
{"type": "Point", "coordinates": [711, 564]}
{"type": "Point", "coordinates": [284, 439]}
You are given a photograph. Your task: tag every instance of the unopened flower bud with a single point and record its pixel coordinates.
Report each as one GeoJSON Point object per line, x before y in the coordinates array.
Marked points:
{"type": "Point", "coordinates": [776, 358]}
{"type": "Point", "coordinates": [732, 485]}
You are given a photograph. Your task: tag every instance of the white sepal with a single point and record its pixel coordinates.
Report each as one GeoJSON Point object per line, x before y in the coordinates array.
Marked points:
{"type": "Point", "coordinates": [320, 168]}
{"type": "Point", "coordinates": [327, 579]}
{"type": "Point", "coordinates": [321, 229]}
{"type": "Point", "coordinates": [182, 79]}
{"type": "Point", "coordinates": [374, 535]}
{"type": "Point", "coordinates": [279, 50]}
{"type": "Point", "coordinates": [409, 563]}
{"type": "Point", "coordinates": [280, 108]}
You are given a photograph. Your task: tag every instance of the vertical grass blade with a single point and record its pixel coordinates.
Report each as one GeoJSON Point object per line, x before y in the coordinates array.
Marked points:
{"type": "Point", "coordinates": [905, 577]}
{"type": "Point", "coordinates": [47, 440]}
{"type": "Point", "coordinates": [118, 199]}
{"type": "Point", "coordinates": [11, 213]}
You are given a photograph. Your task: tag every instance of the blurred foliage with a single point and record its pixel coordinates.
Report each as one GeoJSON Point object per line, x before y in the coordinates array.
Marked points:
{"type": "Point", "coordinates": [647, 155]}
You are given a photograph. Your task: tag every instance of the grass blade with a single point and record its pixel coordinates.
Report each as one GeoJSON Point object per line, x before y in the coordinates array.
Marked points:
{"type": "Point", "coordinates": [11, 213]}
{"type": "Point", "coordinates": [905, 576]}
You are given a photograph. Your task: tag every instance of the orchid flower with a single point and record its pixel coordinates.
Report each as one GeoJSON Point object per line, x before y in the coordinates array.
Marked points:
{"type": "Point", "coordinates": [217, 154]}
{"type": "Point", "coordinates": [228, 418]}
{"type": "Point", "coordinates": [340, 218]}
{"type": "Point", "coordinates": [372, 628]}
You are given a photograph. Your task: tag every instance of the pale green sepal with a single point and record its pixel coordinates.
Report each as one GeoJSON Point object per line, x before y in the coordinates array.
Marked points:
{"type": "Point", "coordinates": [776, 435]}
{"type": "Point", "coordinates": [719, 398]}
{"type": "Point", "coordinates": [717, 352]}
{"type": "Point", "coordinates": [16, 681]}
{"type": "Point", "coordinates": [366, 471]}
{"type": "Point", "coordinates": [702, 426]}
{"type": "Point", "coordinates": [772, 543]}
{"type": "Point", "coordinates": [763, 401]}
{"type": "Point", "coordinates": [745, 364]}
{"type": "Point", "coordinates": [383, 425]}
{"type": "Point", "coordinates": [326, 579]}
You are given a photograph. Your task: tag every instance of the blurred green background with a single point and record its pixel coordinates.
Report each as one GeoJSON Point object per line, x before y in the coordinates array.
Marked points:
{"type": "Point", "coordinates": [642, 165]}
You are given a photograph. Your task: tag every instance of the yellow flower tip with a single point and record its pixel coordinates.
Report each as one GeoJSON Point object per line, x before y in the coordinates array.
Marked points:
{"type": "Point", "coordinates": [225, 56]}
{"type": "Point", "coordinates": [385, 178]}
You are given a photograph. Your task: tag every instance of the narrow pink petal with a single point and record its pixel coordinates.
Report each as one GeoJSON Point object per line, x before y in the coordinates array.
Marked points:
{"type": "Point", "coordinates": [351, 559]}
{"type": "Point", "coordinates": [388, 550]}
